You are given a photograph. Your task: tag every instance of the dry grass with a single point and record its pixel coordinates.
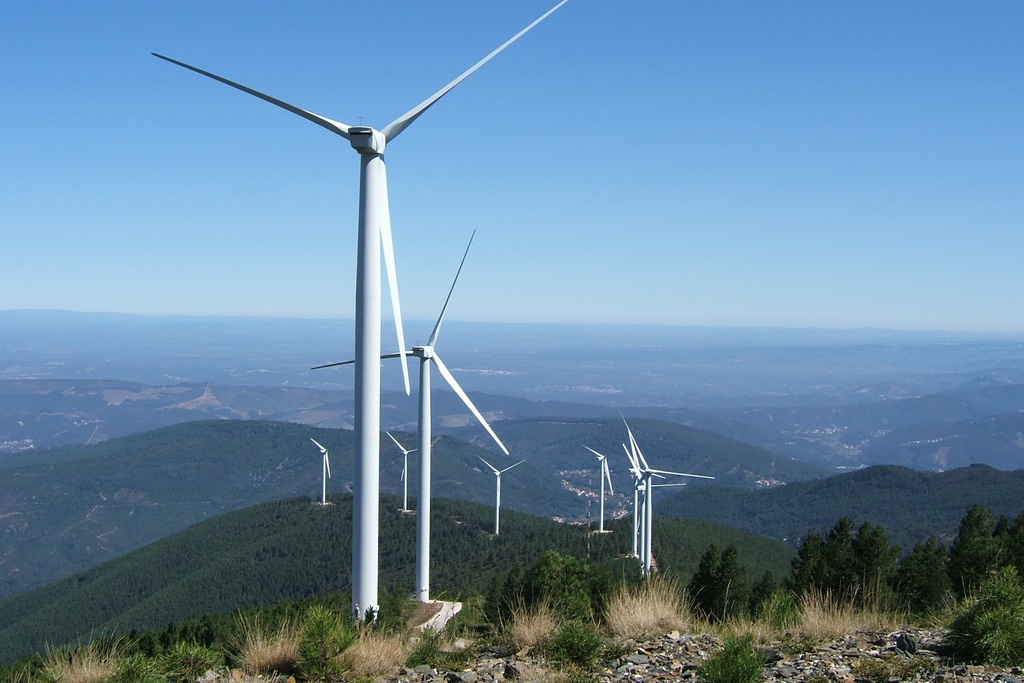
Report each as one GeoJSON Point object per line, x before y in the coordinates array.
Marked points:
{"type": "Point", "coordinates": [262, 649]}
{"type": "Point", "coordinates": [825, 616]}
{"type": "Point", "coordinates": [532, 627]}
{"type": "Point", "coordinates": [375, 654]}
{"type": "Point", "coordinates": [653, 607]}
{"type": "Point", "coordinates": [92, 663]}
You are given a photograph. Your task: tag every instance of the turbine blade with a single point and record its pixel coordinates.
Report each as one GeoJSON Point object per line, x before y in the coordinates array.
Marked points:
{"type": "Point", "coordinates": [440, 318]}
{"type": "Point", "coordinates": [608, 475]}
{"type": "Point", "coordinates": [634, 465]}
{"type": "Point", "coordinates": [333, 126]}
{"type": "Point", "coordinates": [465, 399]}
{"type": "Point", "coordinates": [396, 307]}
{"type": "Point", "coordinates": [400, 446]}
{"type": "Point", "coordinates": [681, 474]}
{"type": "Point", "coordinates": [322, 449]}
{"type": "Point", "coordinates": [327, 461]}
{"type": "Point", "coordinates": [599, 455]}
{"type": "Point", "coordinates": [637, 453]}
{"type": "Point", "coordinates": [351, 362]}
{"type": "Point", "coordinates": [332, 365]}
{"type": "Point", "coordinates": [511, 466]}
{"type": "Point", "coordinates": [493, 468]}
{"type": "Point", "coordinates": [392, 130]}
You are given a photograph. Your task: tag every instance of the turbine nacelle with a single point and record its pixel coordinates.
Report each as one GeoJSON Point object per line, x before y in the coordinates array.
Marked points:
{"type": "Point", "coordinates": [424, 352]}
{"type": "Point", "coordinates": [366, 140]}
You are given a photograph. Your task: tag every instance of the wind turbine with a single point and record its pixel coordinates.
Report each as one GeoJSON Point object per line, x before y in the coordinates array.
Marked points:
{"type": "Point", "coordinates": [405, 472]}
{"type": "Point", "coordinates": [374, 233]}
{"type": "Point", "coordinates": [428, 356]}
{"type": "Point", "coordinates": [497, 490]}
{"type": "Point", "coordinates": [605, 475]}
{"type": "Point", "coordinates": [647, 474]}
{"type": "Point", "coordinates": [327, 469]}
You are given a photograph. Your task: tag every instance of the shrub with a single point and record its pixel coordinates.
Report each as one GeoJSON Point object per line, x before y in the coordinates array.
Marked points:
{"type": "Point", "coordinates": [652, 607]}
{"type": "Point", "coordinates": [892, 667]}
{"type": "Point", "coordinates": [324, 638]}
{"type": "Point", "coordinates": [184, 662]}
{"type": "Point", "coordinates": [432, 651]}
{"type": "Point", "coordinates": [739, 661]}
{"type": "Point", "coordinates": [136, 668]}
{"type": "Point", "coordinates": [990, 626]}
{"type": "Point", "coordinates": [576, 643]}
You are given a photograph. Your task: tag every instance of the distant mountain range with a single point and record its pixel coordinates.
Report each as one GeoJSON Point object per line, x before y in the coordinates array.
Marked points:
{"type": "Point", "coordinates": [979, 420]}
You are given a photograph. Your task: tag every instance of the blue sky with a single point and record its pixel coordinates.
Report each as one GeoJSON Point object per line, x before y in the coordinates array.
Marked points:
{"type": "Point", "coordinates": [842, 164]}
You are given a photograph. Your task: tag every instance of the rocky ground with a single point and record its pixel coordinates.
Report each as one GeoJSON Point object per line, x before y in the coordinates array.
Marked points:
{"type": "Point", "coordinates": [858, 658]}
{"type": "Point", "coordinates": [865, 657]}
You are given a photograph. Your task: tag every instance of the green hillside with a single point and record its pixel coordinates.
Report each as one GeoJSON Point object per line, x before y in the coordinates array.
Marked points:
{"type": "Point", "coordinates": [295, 548]}
{"type": "Point", "coordinates": [69, 508]}
{"type": "Point", "coordinates": [66, 509]}
{"type": "Point", "coordinates": [911, 505]}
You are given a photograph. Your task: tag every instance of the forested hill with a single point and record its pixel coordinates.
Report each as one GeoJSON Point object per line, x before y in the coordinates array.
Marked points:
{"type": "Point", "coordinates": [66, 509]}
{"type": "Point", "coordinates": [911, 505]}
{"type": "Point", "coordinates": [295, 548]}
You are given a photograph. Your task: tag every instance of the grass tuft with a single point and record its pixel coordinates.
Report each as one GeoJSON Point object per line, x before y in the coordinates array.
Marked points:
{"type": "Point", "coordinates": [739, 661]}
{"type": "Point", "coordinates": [375, 653]}
{"type": "Point", "coordinates": [824, 616]}
{"type": "Point", "coordinates": [92, 663]}
{"type": "Point", "coordinates": [263, 649]}
{"type": "Point", "coordinates": [653, 607]}
{"type": "Point", "coordinates": [532, 627]}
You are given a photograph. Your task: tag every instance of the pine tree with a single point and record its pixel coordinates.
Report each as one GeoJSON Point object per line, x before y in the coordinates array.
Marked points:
{"type": "Point", "coordinates": [840, 561]}
{"type": "Point", "coordinates": [922, 581]}
{"type": "Point", "coordinates": [732, 590]}
{"type": "Point", "coordinates": [975, 552]}
{"type": "Point", "coordinates": [874, 562]}
{"type": "Point", "coordinates": [702, 587]}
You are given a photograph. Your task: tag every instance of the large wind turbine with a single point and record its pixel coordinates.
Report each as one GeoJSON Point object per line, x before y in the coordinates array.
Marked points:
{"type": "Point", "coordinates": [327, 469]}
{"type": "Point", "coordinates": [373, 234]}
{"type": "Point", "coordinates": [647, 473]}
{"type": "Point", "coordinates": [497, 491]}
{"type": "Point", "coordinates": [428, 356]}
{"type": "Point", "coordinates": [405, 471]}
{"type": "Point", "coordinates": [605, 475]}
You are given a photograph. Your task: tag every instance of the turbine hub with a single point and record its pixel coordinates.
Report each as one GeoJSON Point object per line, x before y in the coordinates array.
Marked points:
{"type": "Point", "coordinates": [366, 140]}
{"type": "Point", "coordinates": [423, 351]}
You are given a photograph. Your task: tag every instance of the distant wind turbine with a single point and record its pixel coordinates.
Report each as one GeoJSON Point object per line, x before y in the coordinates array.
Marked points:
{"type": "Point", "coordinates": [497, 491]}
{"type": "Point", "coordinates": [646, 474]}
{"type": "Point", "coordinates": [428, 356]}
{"type": "Point", "coordinates": [327, 469]}
{"type": "Point", "coordinates": [405, 471]}
{"type": "Point", "coordinates": [374, 234]}
{"type": "Point", "coordinates": [605, 475]}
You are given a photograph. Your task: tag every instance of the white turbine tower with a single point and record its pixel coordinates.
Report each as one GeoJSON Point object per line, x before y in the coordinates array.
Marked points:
{"type": "Point", "coordinates": [428, 356]}
{"type": "Point", "coordinates": [605, 475]}
{"type": "Point", "coordinates": [405, 471]}
{"type": "Point", "coordinates": [647, 473]}
{"type": "Point", "coordinates": [374, 233]}
{"type": "Point", "coordinates": [497, 491]}
{"type": "Point", "coordinates": [327, 469]}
